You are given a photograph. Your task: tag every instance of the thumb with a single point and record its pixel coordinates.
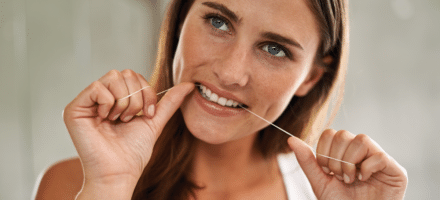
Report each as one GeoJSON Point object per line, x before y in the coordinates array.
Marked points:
{"type": "Point", "coordinates": [307, 160]}
{"type": "Point", "coordinates": [169, 103]}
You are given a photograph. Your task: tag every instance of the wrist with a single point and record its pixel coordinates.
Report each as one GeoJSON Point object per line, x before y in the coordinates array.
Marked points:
{"type": "Point", "coordinates": [121, 189]}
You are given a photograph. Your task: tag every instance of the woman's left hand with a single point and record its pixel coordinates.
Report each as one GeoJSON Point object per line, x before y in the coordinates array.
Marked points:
{"type": "Point", "coordinates": [375, 174]}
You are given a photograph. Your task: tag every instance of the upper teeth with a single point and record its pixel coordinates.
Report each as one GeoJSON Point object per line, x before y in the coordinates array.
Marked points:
{"type": "Point", "coordinates": [216, 99]}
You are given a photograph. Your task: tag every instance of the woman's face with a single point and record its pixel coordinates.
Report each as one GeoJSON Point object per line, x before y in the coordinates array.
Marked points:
{"type": "Point", "coordinates": [257, 54]}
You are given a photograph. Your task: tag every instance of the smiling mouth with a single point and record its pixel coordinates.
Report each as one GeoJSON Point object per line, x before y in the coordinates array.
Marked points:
{"type": "Point", "coordinates": [215, 98]}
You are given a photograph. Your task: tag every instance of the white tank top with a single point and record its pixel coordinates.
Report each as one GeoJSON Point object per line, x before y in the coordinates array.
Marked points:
{"type": "Point", "coordinates": [296, 183]}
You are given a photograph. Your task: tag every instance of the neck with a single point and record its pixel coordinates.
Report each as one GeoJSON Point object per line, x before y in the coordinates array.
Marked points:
{"type": "Point", "coordinates": [231, 166]}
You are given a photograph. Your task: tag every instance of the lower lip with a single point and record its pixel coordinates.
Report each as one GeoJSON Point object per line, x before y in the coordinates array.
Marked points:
{"type": "Point", "coordinates": [214, 108]}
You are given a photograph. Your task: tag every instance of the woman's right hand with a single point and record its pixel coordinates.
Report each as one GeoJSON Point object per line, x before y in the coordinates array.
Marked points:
{"type": "Point", "coordinates": [112, 149]}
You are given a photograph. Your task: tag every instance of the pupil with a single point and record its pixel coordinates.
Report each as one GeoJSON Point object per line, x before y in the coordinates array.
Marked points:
{"type": "Point", "coordinates": [217, 22]}
{"type": "Point", "coordinates": [273, 49]}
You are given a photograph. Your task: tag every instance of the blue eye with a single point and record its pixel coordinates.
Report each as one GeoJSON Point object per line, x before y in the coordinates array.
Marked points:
{"type": "Point", "coordinates": [219, 23]}
{"type": "Point", "coordinates": [274, 50]}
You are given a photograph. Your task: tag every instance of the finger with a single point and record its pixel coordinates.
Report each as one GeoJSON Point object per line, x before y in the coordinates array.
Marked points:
{"type": "Point", "coordinates": [304, 154]}
{"type": "Point", "coordinates": [340, 142]}
{"type": "Point", "coordinates": [135, 103]}
{"type": "Point", "coordinates": [356, 152]}
{"type": "Point", "coordinates": [380, 161]}
{"type": "Point", "coordinates": [169, 103]}
{"type": "Point", "coordinates": [323, 147]}
{"type": "Point", "coordinates": [115, 83]}
{"type": "Point", "coordinates": [387, 171]}
{"type": "Point", "coordinates": [95, 93]}
{"type": "Point", "coordinates": [375, 163]}
{"type": "Point", "coordinates": [149, 97]}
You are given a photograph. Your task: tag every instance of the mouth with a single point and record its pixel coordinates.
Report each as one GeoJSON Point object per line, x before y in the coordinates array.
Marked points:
{"type": "Point", "coordinates": [215, 98]}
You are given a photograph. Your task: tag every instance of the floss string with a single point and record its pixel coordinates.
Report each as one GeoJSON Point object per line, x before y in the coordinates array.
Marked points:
{"type": "Point", "coordinates": [270, 123]}
{"type": "Point", "coordinates": [293, 136]}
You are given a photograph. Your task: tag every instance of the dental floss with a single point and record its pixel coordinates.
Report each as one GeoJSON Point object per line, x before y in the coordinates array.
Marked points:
{"type": "Point", "coordinates": [133, 93]}
{"type": "Point", "coordinates": [144, 88]}
{"type": "Point", "coordinates": [292, 135]}
{"type": "Point", "coordinates": [253, 114]}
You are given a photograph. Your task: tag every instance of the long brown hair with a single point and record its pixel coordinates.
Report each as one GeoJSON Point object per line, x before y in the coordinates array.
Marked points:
{"type": "Point", "coordinates": [167, 174]}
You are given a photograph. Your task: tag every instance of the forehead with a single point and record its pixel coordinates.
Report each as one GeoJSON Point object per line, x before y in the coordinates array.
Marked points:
{"type": "Point", "coordinates": [292, 18]}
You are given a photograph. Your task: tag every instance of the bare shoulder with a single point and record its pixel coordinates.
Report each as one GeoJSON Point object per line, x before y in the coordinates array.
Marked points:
{"type": "Point", "coordinates": [62, 180]}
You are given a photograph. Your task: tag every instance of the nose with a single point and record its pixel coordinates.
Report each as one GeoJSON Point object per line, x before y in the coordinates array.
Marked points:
{"type": "Point", "coordinates": [234, 67]}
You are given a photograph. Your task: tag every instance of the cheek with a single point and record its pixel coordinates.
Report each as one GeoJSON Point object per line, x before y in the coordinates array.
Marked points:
{"type": "Point", "coordinates": [276, 91]}
{"type": "Point", "coordinates": [277, 86]}
{"type": "Point", "coordinates": [195, 49]}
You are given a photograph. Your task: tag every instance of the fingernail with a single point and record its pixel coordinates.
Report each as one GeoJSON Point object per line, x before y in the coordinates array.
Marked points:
{"type": "Point", "coordinates": [127, 118]}
{"type": "Point", "coordinates": [346, 178]}
{"type": "Point", "coordinates": [339, 177]}
{"type": "Point", "coordinates": [326, 170]}
{"type": "Point", "coordinates": [116, 117]}
{"type": "Point", "coordinates": [360, 177]}
{"type": "Point", "coordinates": [151, 110]}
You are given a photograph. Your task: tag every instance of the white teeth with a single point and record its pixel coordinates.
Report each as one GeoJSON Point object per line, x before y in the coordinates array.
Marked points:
{"type": "Point", "coordinates": [222, 101]}
{"type": "Point", "coordinates": [234, 104]}
{"type": "Point", "coordinates": [214, 97]}
{"type": "Point", "coordinates": [229, 102]}
{"type": "Point", "coordinates": [207, 94]}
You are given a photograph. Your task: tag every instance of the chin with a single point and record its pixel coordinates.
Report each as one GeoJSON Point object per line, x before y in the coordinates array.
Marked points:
{"type": "Point", "coordinates": [213, 127]}
{"type": "Point", "coordinates": [205, 132]}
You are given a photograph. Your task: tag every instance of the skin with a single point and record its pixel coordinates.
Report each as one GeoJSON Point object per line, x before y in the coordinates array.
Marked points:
{"type": "Point", "coordinates": [234, 61]}
{"type": "Point", "coordinates": [231, 58]}
{"type": "Point", "coordinates": [115, 144]}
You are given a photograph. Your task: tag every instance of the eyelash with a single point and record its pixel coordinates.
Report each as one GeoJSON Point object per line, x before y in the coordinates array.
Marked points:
{"type": "Point", "coordinates": [209, 16]}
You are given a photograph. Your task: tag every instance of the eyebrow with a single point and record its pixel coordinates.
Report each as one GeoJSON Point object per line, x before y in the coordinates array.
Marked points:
{"type": "Point", "coordinates": [223, 9]}
{"type": "Point", "coordinates": [279, 38]}
{"type": "Point", "coordinates": [269, 35]}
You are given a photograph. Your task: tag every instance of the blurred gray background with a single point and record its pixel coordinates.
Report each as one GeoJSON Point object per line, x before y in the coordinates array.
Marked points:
{"type": "Point", "coordinates": [50, 50]}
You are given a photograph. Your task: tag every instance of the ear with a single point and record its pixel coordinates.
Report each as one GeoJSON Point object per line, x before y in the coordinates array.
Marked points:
{"type": "Point", "coordinates": [314, 76]}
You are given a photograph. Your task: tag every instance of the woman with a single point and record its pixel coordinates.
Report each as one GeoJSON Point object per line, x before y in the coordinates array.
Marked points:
{"type": "Point", "coordinates": [278, 59]}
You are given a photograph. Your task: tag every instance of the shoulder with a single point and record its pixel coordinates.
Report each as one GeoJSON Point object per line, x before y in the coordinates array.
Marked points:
{"type": "Point", "coordinates": [61, 180]}
{"type": "Point", "coordinates": [295, 180]}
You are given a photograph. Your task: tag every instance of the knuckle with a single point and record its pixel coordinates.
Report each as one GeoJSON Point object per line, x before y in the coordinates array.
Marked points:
{"type": "Point", "coordinates": [382, 156]}
{"type": "Point", "coordinates": [114, 74]}
{"type": "Point", "coordinates": [141, 77]}
{"type": "Point", "coordinates": [95, 86]}
{"type": "Point", "coordinates": [381, 159]}
{"type": "Point", "coordinates": [361, 140]}
{"type": "Point", "coordinates": [328, 133]}
{"type": "Point", "coordinates": [129, 73]}
{"type": "Point", "coordinates": [342, 135]}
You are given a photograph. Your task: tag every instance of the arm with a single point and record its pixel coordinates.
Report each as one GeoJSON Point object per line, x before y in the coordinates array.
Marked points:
{"type": "Point", "coordinates": [121, 189]}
